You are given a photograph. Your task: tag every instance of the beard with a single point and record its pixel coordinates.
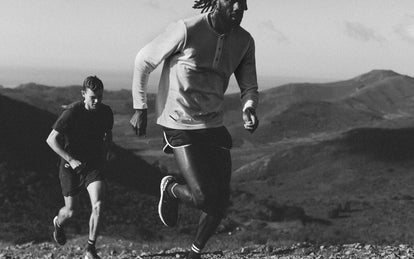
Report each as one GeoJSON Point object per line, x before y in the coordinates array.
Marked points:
{"type": "Point", "coordinates": [232, 18]}
{"type": "Point", "coordinates": [236, 19]}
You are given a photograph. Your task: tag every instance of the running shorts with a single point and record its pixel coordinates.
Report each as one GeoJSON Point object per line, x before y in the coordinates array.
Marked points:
{"type": "Point", "coordinates": [175, 138]}
{"type": "Point", "coordinates": [73, 182]}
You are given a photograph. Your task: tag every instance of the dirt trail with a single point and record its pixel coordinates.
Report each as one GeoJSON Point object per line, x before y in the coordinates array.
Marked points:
{"type": "Point", "coordinates": [111, 249]}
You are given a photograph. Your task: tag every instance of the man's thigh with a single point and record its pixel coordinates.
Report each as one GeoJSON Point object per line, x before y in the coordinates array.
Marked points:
{"type": "Point", "coordinates": [203, 166]}
{"type": "Point", "coordinates": [71, 202]}
{"type": "Point", "coordinates": [70, 182]}
{"type": "Point", "coordinates": [96, 191]}
{"type": "Point", "coordinates": [95, 184]}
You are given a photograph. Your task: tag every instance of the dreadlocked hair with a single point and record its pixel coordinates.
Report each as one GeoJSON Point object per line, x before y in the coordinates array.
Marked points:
{"type": "Point", "coordinates": [205, 5]}
{"type": "Point", "coordinates": [93, 83]}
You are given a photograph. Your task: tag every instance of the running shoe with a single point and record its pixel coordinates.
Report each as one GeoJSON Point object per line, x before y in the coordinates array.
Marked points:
{"type": "Point", "coordinates": [91, 254]}
{"type": "Point", "coordinates": [168, 205]}
{"type": "Point", "coordinates": [58, 232]}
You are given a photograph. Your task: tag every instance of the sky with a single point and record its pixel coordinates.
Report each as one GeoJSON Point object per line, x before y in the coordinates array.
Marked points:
{"type": "Point", "coordinates": [60, 42]}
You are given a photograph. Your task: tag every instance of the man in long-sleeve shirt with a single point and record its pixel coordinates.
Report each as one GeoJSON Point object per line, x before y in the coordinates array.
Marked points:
{"type": "Point", "coordinates": [200, 54]}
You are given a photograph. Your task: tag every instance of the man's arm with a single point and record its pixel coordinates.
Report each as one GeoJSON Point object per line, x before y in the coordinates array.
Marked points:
{"type": "Point", "coordinates": [150, 56]}
{"type": "Point", "coordinates": [247, 80]}
{"type": "Point", "coordinates": [53, 140]}
{"type": "Point", "coordinates": [147, 60]}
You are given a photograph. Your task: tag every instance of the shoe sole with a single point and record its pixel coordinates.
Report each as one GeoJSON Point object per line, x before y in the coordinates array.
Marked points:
{"type": "Point", "coordinates": [55, 232]}
{"type": "Point", "coordinates": [162, 191]}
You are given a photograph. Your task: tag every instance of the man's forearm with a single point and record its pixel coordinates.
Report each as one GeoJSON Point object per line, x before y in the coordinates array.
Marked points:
{"type": "Point", "coordinates": [140, 79]}
{"type": "Point", "coordinates": [56, 147]}
{"type": "Point", "coordinates": [150, 56]}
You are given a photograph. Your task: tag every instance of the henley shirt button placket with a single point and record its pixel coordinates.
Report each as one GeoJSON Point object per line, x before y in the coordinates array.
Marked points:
{"type": "Point", "coordinates": [218, 50]}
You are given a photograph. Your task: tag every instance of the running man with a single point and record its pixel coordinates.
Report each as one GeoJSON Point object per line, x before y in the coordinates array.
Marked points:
{"type": "Point", "coordinates": [200, 54]}
{"type": "Point", "coordinates": [82, 136]}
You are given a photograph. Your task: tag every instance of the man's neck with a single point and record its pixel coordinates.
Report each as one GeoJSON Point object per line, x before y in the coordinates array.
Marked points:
{"type": "Point", "coordinates": [218, 23]}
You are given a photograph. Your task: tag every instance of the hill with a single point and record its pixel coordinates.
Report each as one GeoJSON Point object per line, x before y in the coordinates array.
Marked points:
{"type": "Point", "coordinates": [23, 132]}
{"type": "Point", "coordinates": [51, 98]}
{"type": "Point", "coordinates": [355, 180]}
{"type": "Point", "coordinates": [297, 110]}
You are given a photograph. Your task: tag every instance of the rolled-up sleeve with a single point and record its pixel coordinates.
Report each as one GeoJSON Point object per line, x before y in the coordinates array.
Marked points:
{"type": "Point", "coordinates": [150, 56]}
{"type": "Point", "coordinates": [247, 78]}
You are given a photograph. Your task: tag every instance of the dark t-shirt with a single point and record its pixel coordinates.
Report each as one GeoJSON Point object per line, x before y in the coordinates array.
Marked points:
{"type": "Point", "coordinates": [84, 130]}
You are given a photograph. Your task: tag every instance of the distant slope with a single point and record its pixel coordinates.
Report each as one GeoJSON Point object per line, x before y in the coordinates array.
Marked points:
{"type": "Point", "coordinates": [285, 111]}
{"type": "Point", "coordinates": [390, 96]}
{"type": "Point", "coordinates": [278, 99]}
{"type": "Point", "coordinates": [304, 119]}
{"type": "Point", "coordinates": [51, 98]}
{"type": "Point", "coordinates": [374, 76]}
{"type": "Point", "coordinates": [298, 110]}
{"type": "Point", "coordinates": [23, 132]}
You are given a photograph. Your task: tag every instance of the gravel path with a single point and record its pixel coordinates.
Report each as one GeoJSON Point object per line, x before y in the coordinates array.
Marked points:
{"type": "Point", "coordinates": [301, 250]}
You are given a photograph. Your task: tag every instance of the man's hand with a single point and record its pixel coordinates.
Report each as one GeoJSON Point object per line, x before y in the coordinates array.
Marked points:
{"type": "Point", "coordinates": [139, 122]}
{"type": "Point", "coordinates": [251, 122]}
{"type": "Point", "coordinates": [74, 163]}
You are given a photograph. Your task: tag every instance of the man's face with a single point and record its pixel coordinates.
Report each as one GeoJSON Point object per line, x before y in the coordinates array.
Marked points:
{"type": "Point", "coordinates": [92, 99]}
{"type": "Point", "coordinates": [232, 10]}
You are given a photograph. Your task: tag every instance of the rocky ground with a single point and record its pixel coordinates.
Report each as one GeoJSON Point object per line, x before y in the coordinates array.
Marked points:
{"type": "Point", "coordinates": [126, 249]}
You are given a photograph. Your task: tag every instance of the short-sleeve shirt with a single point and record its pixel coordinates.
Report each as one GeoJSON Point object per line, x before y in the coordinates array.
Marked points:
{"type": "Point", "coordinates": [84, 130]}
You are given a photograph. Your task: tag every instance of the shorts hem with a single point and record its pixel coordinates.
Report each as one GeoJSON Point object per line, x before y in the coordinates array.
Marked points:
{"type": "Point", "coordinates": [168, 148]}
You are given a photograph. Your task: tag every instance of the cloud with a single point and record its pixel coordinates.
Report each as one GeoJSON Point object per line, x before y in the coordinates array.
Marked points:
{"type": "Point", "coordinates": [361, 32]}
{"type": "Point", "coordinates": [406, 29]}
{"type": "Point", "coordinates": [269, 29]}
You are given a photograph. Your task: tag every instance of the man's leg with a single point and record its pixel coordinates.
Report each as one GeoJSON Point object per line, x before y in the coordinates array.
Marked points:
{"type": "Point", "coordinates": [193, 168]}
{"type": "Point", "coordinates": [207, 172]}
{"type": "Point", "coordinates": [96, 192]}
{"type": "Point", "coordinates": [220, 181]}
{"type": "Point", "coordinates": [64, 214]}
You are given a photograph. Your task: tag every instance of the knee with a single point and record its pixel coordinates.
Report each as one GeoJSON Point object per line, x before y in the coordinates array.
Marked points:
{"type": "Point", "coordinates": [199, 198]}
{"type": "Point", "coordinates": [97, 208]}
{"type": "Point", "coordinates": [68, 213]}
{"type": "Point", "coordinates": [217, 204]}
{"type": "Point", "coordinates": [212, 203]}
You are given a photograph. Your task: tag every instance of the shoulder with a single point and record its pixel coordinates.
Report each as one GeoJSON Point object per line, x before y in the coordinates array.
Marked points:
{"type": "Point", "coordinates": [195, 21]}
{"type": "Point", "coordinates": [71, 109]}
{"type": "Point", "coordinates": [175, 31]}
{"type": "Point", "coordinates": [242, 34]}
{"type": "Point", "coordinates": [68, 117]}
{"type": "Point", "coordinates": [106, 109]}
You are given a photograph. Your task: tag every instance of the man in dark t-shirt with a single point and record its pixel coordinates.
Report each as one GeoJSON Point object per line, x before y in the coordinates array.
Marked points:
{"type": "Point", "coordinates": [81, 137]}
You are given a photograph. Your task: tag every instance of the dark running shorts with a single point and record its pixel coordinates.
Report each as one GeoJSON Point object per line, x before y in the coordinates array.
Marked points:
{"type": "Point", "coordinates": [175, 138]}
{"type": "Point", "coordinates": [72, 183]}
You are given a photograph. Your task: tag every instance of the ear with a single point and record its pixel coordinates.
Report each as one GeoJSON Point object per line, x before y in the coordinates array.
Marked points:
{"type": "Point", "coordinates": [83, 93]}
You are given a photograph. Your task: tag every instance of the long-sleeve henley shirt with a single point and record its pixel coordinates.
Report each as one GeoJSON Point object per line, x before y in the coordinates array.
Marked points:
{"type": "Point", "coordinates": [198, 63]}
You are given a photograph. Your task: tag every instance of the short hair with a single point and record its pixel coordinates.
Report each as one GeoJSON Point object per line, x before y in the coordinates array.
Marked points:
{"type": "Point", "coordinates": [205, 5]}
{"type": "Point", "coordinates": [93, 83]}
